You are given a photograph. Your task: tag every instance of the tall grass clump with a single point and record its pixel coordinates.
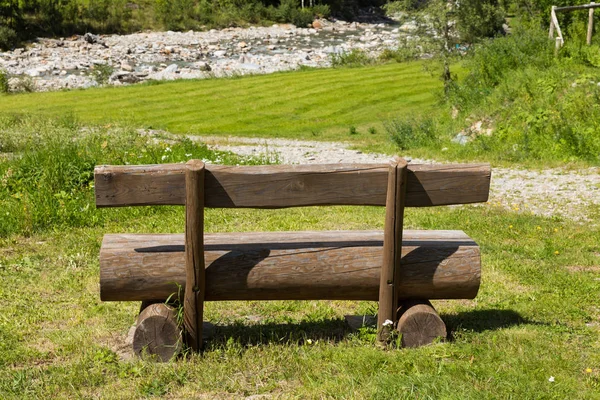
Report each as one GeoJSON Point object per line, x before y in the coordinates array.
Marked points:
{"type": "Point", "coordinates": [46, 168]}
{"type": "Point", "coordinates": [411, 133]}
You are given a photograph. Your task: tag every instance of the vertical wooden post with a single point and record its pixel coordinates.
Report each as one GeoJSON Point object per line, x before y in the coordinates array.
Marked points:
{"type": "Point", "coordinates": [392, 249]}
{"type": "Point", "coordinates": [556, 25]}
{"type": "Point", "coordinates": [193, 306]}
{"type": "Point", "coordinates": [551, 32]}
{"type": "Point", "coordinates": [590, 25]}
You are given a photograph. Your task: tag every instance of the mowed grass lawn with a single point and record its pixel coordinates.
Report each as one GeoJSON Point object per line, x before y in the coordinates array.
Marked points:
{"type": "Point", "coordinates": [312, 104]}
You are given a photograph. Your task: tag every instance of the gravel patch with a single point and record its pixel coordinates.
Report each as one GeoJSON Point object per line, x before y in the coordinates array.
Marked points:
{"type": "Point", "coordinates": [549, 192]}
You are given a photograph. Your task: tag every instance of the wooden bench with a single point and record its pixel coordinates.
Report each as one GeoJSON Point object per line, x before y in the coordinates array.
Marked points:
{"type": "Point", "coordinates": [402, 270]}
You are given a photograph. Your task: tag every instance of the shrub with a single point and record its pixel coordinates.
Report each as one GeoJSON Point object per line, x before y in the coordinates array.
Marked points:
{"type": "Point", "coordinates": [302, 18]}
{"type": "Point", "coordinates": [321, 10]}
{"type": "Point", "coordinates": [8, 37]}
{"type": "Point", "coordinates": [101, 73]}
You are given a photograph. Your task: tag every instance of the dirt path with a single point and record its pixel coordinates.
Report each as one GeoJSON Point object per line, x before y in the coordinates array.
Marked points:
{"type": "Point", "coordinates": [548, 192]}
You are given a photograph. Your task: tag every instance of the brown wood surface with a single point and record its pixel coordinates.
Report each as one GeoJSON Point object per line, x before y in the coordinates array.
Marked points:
{"type": "Point", "coordinates": [392, 248]}
{"type": "Point", "coordinates": [419, 324]}
{"type": "Point", "coordinates": [305, 265]}
{"type": "Point", "coordinates": [291, 185]}
{"type": "Point", "coordinates": [157, 334]}
{"type": "Point", "coordinates": [193, 306]}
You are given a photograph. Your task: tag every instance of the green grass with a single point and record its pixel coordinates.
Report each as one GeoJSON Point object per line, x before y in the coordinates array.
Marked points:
{"type": "Point", "coordinates": [536, 316]}
{"type": "Point", "coordinates": [315, 104]}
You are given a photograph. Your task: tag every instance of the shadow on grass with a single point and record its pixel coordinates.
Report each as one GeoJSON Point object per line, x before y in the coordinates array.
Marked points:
{"type": "Point", "coordinates": [330, 330]}
{"type": "Point", "coordinates": [336, 330]}
{"type": "Point", "coordinates": [486, 320]}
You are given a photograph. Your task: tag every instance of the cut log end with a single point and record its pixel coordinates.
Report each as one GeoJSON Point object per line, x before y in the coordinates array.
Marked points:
{"type": "Point", "coordinates": [419, 324]}
{"type": "Point", "coordinates": [157, 335]}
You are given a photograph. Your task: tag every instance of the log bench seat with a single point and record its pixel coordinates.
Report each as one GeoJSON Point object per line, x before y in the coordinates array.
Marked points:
{"type": "Point", "coordinates": [401, 269]}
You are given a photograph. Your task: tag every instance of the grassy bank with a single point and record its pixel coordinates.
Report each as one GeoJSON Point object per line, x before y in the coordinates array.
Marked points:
{"type": "Point", "coordinates": [314, 104]}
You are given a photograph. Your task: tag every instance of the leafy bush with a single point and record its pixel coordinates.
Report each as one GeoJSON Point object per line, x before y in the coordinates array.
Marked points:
{"type": "Point", "coordinates": [302, 18]}
{"type": "Point", "coordinates": [479, 19]}
{"type": "Point", "coordinates": [8, 38]}
{"type": "Point", "coordinates": [321, 10]}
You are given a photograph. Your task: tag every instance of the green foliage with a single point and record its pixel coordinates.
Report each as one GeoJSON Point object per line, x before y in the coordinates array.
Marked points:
{"type": "Point", "coordinates": [8, 37]}
{"type": "Point", "coordinates": [321, 10]}
{"type": "Point", "coordinates": [412, 132]}
{"type": "Point", "coordinates": [537, 107]}
{"type": "Point", "coordinates": [46, 173]}
{"type": "Point", "coordinates": [494, 59]}
{"type": "Point", "coordinates": [101, 73]}
{"type": "Point", "coordinates": [354, 58]}
{"type": "Point", "coordinates": [3, 81]}
{"type": "Point", "coordinates": [479, 19]}
{"type": "Point", "coordinates": [175, 15]}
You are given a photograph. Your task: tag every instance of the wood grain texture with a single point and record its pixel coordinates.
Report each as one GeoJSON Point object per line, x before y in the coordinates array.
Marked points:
{"type": "Point", "coordinates": [392, 249]}
{"type": "Point", "coordinates": [157, 335]}
{"type": "Point", "coordinates": [309, 265]}
{"type": "Point", "coordinates": [193, 305]}
{"type": "Point", "coordinates": [282, 186]}
{"type": "Point", "coordinates": [419, 324]}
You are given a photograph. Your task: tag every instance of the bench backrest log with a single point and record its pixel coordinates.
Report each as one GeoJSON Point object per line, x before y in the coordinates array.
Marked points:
{"type": "Point", "coordinates": [291, 185]}
{"type": "Point", "coordinates": [196, 185]}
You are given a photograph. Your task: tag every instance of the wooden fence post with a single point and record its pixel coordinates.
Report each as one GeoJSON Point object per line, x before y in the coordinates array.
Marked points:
{"type": "Point", "coordinates": [392, 249]}
{"type": "Point", "coordinates": [551, 31]}
{"type": "Point", "coordinates": [193, 306]}
{"type": "Point", "coordinates": [590, 25]}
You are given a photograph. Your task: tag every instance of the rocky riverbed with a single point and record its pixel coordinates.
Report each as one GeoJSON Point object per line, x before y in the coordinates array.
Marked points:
{"type": "Point", "coordinates": [67, 63]}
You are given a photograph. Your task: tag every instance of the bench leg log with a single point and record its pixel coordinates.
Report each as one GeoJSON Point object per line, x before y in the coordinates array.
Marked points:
{"type": "Point", "coordinates": [419, 323]}
{"type": "Point", "coordinates": [157, 334]}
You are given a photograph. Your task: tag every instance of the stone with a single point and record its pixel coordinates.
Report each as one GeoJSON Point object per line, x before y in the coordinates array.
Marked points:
{"type": "Point", "coordinates": [171, 69]}
{"type": "Point", "coordinates": [220, 53]}
{"type": "Point", "coordinates": [250, 66]}
{"type": "Point", "coordinates": [125, 66]}
{"type": "Point", "coordinates": [32, 72]}
{"type": "Point", "coordinates": [242, 45]}
{"type": "Point", "coordinates": [317, 24]}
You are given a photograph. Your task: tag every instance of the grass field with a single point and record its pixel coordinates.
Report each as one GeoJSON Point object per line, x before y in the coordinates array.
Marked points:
{"type": "Point", "coordinates": [537, 316]}
{"type": "Point", "coordinates": [532, 332]}
{"type": "Point", "coordinates": [314, 104]}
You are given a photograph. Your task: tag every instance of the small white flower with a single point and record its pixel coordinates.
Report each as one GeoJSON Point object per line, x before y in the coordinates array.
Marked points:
{"type": "Point", "coordinates": [167, 149]}
{"type": "Point", "coordinates": [308, 341]}
{"type": "Point", "coordinates": [164, 157]}
{"type": "Point", "coordinates": [188, 155]}
{"type": "Point", "coordinates": [551, 379]}
{"type": "Point", "coordinates": [388, 323]}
